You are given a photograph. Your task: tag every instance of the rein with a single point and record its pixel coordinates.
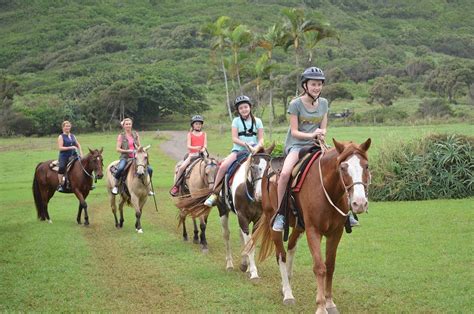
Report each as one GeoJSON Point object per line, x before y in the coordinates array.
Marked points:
{"type": "Point", "coordinates": [84, 169]}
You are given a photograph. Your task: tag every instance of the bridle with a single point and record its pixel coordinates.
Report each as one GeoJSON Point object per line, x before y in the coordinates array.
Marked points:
{"type": "Point", "coordinates": [253, 180]}
{"type": "Point", "coordinates": [346, 187]}
{"type": "Point", "coordinates": [209, 165]}
{"type": "Point", "coordinates": [91, 174]}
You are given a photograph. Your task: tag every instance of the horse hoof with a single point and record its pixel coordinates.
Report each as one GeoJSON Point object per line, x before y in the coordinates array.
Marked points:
{"type": "Point", "coordinates": [185, 239]}
{"type": "Point", "coordinates": [255, 279]}
{"type": "Point", "coordinates": [50, 221]}
{"type": "Point", "coordinates": [332, 310]}
{"type": "Point", "coordinates": [196, 241]}
{"type": "Point", "coordinates": [289, 301]}
{"type": "Point", "coordinates": [243, 267]}
{"type": "Point", "coordinates": [79, 222]}
{"type": "Point", "coordinates": [140, 230]}
{"type": "Point", "coordinates": [204, 250]}
{"type": "Point", "coordinates": [86, 223]}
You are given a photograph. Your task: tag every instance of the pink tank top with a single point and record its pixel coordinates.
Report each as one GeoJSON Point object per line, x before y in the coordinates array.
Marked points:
{"type": "Point", "coordinates": [130, 145]}
{"type": "Point", "coordinates": [197, 141]}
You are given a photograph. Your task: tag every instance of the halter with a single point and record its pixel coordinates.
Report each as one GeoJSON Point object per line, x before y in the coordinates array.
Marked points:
{"type": "Point", "coordinates": [346, 187]}
{"type": "Point", "coordinates": [211, 164]}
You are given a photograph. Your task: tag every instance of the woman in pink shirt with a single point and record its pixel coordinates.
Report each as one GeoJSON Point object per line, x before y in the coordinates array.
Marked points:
{"type": "Point", "coordinates": [127, 143]}
{"type": "Point", "coordinates": [197, 143]}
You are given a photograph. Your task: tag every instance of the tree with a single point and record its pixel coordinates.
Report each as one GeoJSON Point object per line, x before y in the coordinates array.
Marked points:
{"type": "Point", "coordinates": [218, 31]}
{"type": "Point", "coordinates": [296, 25]}
{"type": "Point", "coordinates": [313, 37]}
{"type": "Point", "coordinates": [384, 90]}
{"type": "Point", "coordinates": [449, 79]}
{"type": "Point", "coordinates": [238, 38]}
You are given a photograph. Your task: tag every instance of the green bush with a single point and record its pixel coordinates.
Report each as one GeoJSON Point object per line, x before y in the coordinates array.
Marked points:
{"type": "Point", "coordinates": [437, 166]}
{"type": "Point", "coordinates": [434, 108]}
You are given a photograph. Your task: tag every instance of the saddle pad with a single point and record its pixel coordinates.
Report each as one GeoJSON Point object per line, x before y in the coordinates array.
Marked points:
{"type": "Point", "coordinates": [54, 165]}
{"type": "Point", "coordinates": [241, 156]}
{"type": "Point", "coordinates": [299, 179]}
{"type": "Point", "coordinates": [189, 168]}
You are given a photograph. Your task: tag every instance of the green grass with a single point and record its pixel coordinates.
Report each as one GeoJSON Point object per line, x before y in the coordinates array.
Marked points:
{"type": "Point", "coordinates": [406, 256]}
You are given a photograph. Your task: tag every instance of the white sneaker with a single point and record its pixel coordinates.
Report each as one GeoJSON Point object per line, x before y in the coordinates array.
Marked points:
{"type": "Point", "coordinates": [114, 190]}
{"type": "Point", "coordinates": [354, 222]}
{"type": "Point", "coordinates": [151, 193]}
{"type": "Point", "coordinates": [211, 200]}
{"type": "Point", "coordinates": [279, 223]}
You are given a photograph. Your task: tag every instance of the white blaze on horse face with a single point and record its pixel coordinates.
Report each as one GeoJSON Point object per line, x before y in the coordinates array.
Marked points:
{"type": "Point", "coordinates": [358, 199]}
{"type": "Point", "coordinates": [262, 165]}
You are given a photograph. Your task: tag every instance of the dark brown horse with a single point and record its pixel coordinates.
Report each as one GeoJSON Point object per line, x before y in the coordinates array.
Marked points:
{"type": "Point", "coordinates": [335, 183]}
{"type": "Point", "coordinates": [80, 177]}
{"type": "Point", "coordinates": [246, 190]}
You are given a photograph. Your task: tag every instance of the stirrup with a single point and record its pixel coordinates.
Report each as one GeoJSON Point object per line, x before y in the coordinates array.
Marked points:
{"type": "Point", "coordinates": [279, 223]}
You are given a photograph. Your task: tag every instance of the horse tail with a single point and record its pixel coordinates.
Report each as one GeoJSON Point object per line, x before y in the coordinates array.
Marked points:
{"type": "Point", "coordinates": [37, 196]}
{"type": "Point", "coordinates": [194, 205]}
{"type": "Point", "coordinates": [264, 234]}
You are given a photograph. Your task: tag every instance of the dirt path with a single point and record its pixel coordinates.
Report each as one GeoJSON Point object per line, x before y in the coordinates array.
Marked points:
{"type": "Point", "coordinates": [176, 145]}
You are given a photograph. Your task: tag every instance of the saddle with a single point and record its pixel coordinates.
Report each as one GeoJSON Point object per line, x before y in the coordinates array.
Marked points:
{"type": "Point", "coordinates": [122, 187]}
{"type": "Point", "coordinates": [180, 182]}
{"type": "Point", "coordinates": [54, 166]}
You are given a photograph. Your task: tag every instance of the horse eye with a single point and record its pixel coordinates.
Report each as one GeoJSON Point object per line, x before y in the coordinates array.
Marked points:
{"type": "Point", "coordinates": [344, 167]}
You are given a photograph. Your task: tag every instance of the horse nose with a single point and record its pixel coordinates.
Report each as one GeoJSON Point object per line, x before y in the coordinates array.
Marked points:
{"type": "Point", "coordinates": [359, 206]}
{"type": "Point", "coordinates": [99, 176]}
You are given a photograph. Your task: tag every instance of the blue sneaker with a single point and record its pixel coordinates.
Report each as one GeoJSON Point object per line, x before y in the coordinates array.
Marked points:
{"type": "Point", "coordinates": [60, 189]}
{"type": "Point", "coordinates": [279, 223]}
{"type": "Point", "coordinates": [211, 200]}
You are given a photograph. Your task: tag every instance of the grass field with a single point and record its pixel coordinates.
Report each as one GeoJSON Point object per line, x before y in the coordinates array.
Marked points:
{"type": "Point", "coordinates": [405, 257]}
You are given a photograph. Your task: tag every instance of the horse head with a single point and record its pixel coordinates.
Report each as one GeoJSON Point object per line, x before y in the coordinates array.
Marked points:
{"type": "Point", "coordinates": [210, 170]}
{"type": "Point", "coordinates": [256, 165]}
{"type": "Point", "coordinates": [353, 168]}
{"type": "Point", "coordinates": [96, 162]}
{"type": "Point", "coordinates": [141, 161]}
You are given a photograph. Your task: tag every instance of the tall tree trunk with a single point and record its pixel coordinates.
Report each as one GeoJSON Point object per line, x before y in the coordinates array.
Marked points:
{"type": "Point", "coordinates": [297, 74]}
{"type": "Point", "coordinates": [226, 88]}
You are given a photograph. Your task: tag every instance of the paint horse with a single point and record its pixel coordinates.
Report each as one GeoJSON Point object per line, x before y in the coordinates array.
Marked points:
{"type": "Point", "coordinates": [201, 174]}
{"type": "Point", "coordinates": [246, 195]}
{"type": "Point", "coordinates": [80, 175]}
{"type": "Point", "coordinates": [336, 182]}
{"type": "Point", "coordinates": [135, 190]}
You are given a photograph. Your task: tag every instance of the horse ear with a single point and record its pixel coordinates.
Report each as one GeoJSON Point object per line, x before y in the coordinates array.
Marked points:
{"type": "Point", "coordinates": [365, 146]}
{"type": "Point", "coordinates": [90, 150]}
{"type": "Point", "coordinates": [270, 149]}
{"type": "Point", "coordinates": [146, 148]}
{"type": "Point", "coordinates": [339, 146]}
{"type": "Point", "coordinates": [250, 149]}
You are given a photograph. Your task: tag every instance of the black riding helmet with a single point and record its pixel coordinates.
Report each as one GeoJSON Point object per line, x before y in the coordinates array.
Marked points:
{"type": "Point", "coordinates": [197, 118]}
{"type": "Point", "coordinates": [241, 99]}
{"type": "Point", "coordinates": [312, 73]}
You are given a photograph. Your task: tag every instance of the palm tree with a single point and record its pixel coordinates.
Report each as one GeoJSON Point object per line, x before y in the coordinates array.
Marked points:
{"type": "Point", "coordinates": [218, 31]}
{"type": "Point", "coordinates": [238, 38]}
{"type": "Point", "coordinates": [296, 25]}
{"type": "Point", "coordinates": [312, 38]}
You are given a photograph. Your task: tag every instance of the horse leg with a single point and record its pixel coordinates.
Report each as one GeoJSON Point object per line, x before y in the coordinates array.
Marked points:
{"type": "Point", "coordinates": [226, 236]}
{"type": "Point", "coordinates": [244, 264]}
{"type": "Point", "coordinates": [82, 205]}
{"type": "Point", "coordinates": [138, 213]}
{"type": "Point", "coordinates": [86, 215]}
{"type": "Point", "coordinates": [288, 298]}
{"type": "Point", "coordinates": [292, 245]}
{"type": "Point", "coordinates": [121, 204]}
{"type": "Point", "coordinates": [113, 206]}
{"type": "Point", "coordinates": [319, 268]}
{"type": "Point", "coordinates": [79, 213]}
{"type": "Point", "coordinates": [46, 213]}
{"type": "Point", "coordinates": [249, 256]}
{"type": "Point", "coordinates": [202, 225]}
{"type": "Point", "coordinates": [331, 248]}
{"type": "Point", "coordinates": [185, 232]}
{"type": "Point", "coordinates": [196, 232]}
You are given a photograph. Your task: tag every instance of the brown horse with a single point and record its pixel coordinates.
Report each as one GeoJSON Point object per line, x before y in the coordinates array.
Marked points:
{"type": "Point", "coordinates": [246, 190]}
{"type": "Point", "coordinates": [201, 176]}
{"type": "Point", "coordinates": [80, 176]}
{"type": "Point", "coordinates": [138, 184]}
{"type": "Point", "coordinates": [336, 182]}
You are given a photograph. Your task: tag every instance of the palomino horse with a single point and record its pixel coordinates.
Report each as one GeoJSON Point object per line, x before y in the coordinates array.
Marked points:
{"type": "Point", "coordinates": [137, 186]}
{"type": "Point", "coordinates": [201, 176]}
{"type": "Point", "coordinates": [336, 182]}
{"type": "Point", "coordinates": [45, 183]}
{"type": "Point", "coordinates": [246, 193]}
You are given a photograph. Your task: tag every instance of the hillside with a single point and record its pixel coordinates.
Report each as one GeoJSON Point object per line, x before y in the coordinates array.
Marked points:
{"type": "Point", "coordinates": [93, 62]}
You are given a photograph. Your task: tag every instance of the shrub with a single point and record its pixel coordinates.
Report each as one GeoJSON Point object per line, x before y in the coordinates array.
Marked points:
{"type": "Point", "coordinates": [437, 166]}
{"type": "Point", "coordinates": [337, 91]}
{"type": "Point", "coordinates": [384, 90]}
{"type": "Point", "coordinates": [383, 115]}
{"type": "Point", "coordinates": [434, 108]}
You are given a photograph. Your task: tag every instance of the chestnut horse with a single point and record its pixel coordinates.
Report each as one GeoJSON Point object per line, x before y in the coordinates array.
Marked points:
{"type": "Point", "coordinates": [45, 183]}
{"type": "Point", "coordinates": [138, 184]}
{"type": "Point", "coordinates": [336, 182]}
{"type": "Point", "coordinates": [246, 190]}
{"type": "Point", "coordinates": [201, 176]}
